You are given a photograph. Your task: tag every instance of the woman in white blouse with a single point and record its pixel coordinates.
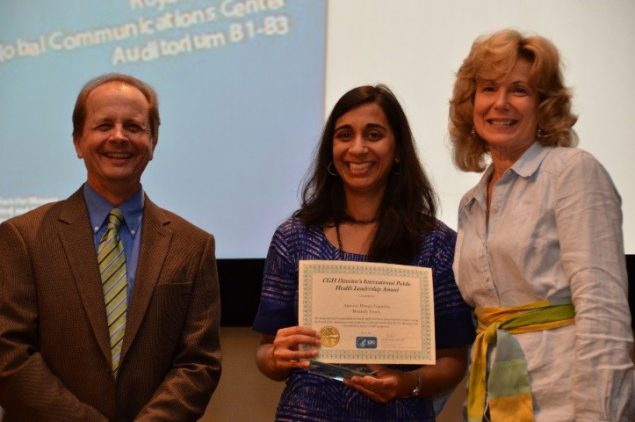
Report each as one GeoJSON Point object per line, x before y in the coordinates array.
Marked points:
{"type": "Point", "coordinates": [539, 252]}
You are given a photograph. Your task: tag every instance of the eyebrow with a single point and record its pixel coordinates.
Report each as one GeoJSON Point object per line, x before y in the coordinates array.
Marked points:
{"type": "Point", "coordinates": [492, 81]}
{"type": "Point", "coordinates": [368, 126]}
{"type": "Point", "coordinates": [110, 118]}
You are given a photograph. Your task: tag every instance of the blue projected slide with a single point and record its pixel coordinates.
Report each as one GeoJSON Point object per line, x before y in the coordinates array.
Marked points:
{"type": "Point", "coordinates": [241, 94]}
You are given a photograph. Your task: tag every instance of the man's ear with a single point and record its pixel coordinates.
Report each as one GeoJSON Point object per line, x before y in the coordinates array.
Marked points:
{"type": "Point", "coordinates": [78, 150]}
{"type": "Point", "coordinates": [154, 146]}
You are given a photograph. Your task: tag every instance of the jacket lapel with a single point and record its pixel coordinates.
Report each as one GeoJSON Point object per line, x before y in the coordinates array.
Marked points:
{"type": "Point", "coordinates": [155, 243]}
{"type": "Point", "coordinates": [77, 241]}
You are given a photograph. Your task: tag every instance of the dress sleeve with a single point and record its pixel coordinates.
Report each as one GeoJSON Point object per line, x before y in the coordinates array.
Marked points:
{"type": "Point", "coordinates": [453, 317]}
{"type": "Point", "coordinates": [278, 296]}
{"type": "Point", "coordinates": [589, 225]}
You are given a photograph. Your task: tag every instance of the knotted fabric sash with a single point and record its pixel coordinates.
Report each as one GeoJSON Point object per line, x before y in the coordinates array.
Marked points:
{"type": "Point", "coordinates": [508, 388]}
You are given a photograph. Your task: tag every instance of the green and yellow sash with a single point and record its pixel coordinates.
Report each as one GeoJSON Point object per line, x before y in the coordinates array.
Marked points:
{"type": "Point", "coordinates": [508, 389]}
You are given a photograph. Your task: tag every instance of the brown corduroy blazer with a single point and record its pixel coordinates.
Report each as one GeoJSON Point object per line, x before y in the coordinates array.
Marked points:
{"type": "Point", "coordinates": [54, 341]}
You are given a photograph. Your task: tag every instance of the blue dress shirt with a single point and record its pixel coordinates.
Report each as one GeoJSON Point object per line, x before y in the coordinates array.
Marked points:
{"type": "Point", "coordinates": [129, 232]}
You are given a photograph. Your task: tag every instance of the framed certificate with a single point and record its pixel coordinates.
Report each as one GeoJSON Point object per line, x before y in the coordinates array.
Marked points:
{"type": "Point", "coordinates": [368, 313]}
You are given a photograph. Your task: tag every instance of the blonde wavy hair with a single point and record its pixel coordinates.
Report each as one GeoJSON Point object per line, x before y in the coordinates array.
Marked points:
{"type": "Point", "coordinates": [492, 57]}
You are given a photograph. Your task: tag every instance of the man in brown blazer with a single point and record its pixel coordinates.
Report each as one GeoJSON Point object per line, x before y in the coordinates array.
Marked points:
{"type": "Point", "coordinates": [79, 344]}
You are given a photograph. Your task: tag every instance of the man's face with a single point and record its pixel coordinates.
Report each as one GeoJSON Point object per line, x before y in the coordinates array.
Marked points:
{"type": "Point", "coordinates": [115, 142]}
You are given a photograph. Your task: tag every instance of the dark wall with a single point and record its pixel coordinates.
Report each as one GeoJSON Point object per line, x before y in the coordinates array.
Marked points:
{"type": "Point", "coordinates": [240, 281]}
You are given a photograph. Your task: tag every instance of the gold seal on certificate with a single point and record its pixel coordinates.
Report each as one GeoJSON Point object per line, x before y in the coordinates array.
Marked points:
{"type": "Point", "coordinates": [329, 336]}
{"type": "Point", "coordinates": [368, 313]}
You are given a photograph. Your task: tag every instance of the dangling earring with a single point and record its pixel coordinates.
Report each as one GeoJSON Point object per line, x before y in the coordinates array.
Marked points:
{"type": "Point", "coordinates": [331, 169]}
{"type": "Point", "coordinates": [540, 133]}
{"type": "Point", "coordinates": [395, 169]}
{"type": "Point", "coordinates": [473, 133]}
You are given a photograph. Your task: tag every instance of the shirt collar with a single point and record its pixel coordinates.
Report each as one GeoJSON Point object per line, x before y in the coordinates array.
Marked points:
{"type": "Point", "coordinates": [477, 193]}
{"type": "Point", "coordinates": [525, 167]}
{"type": "Point", "coordinates": [531, 159]}
{"type": "Point", "coordinates": [98, 209]}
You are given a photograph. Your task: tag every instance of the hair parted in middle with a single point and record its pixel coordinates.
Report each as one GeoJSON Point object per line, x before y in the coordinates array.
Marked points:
{"type": "Point", "coordinates": [492, 57]}
{"type": "Point", "coordinates": [408, 208]}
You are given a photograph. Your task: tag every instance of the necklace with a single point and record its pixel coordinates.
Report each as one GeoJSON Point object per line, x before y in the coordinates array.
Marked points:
{"type": "Point", "coordinates": [353, 220]}
{"type": "Point", "coordinates": [339, 242]}
{"type": "Point", "coordinates": [338, 235]}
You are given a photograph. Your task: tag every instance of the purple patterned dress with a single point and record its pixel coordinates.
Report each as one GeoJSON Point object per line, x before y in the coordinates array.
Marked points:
{"type": "Point", "coordinates": [310, 397]}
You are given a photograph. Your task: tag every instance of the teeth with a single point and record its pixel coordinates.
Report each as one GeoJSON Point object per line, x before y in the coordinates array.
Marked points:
{"type": "Point", "coordinates": [502, 122]}
{"type": "Point", "coordinates": [117, 155]}
{"type": "Point", "coordinates": [359, 166]}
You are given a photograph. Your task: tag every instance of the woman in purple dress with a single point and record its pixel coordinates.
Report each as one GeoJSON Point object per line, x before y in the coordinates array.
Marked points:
{"type": "Point", "coordinates": [368, 199]}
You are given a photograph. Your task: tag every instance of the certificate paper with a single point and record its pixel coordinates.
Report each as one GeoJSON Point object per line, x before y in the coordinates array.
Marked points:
{"type": "Point", "coordinates": [368, 313]}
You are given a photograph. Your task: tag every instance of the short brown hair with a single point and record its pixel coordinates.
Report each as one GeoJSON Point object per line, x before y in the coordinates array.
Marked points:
{"type": "Point", "coordinates": [493, 57]}
{"type": "Point", "coordinates": [79, 112]}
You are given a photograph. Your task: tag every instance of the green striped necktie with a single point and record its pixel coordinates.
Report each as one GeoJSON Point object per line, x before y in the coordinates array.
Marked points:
{"type": "Point", "coordinates": [114, 280]}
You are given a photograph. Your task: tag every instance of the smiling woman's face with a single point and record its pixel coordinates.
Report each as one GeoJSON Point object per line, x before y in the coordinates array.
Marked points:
{"type": "Point", "coordinates": [505, 110]}
{"type": "Point", "coordinates": [364, 149]}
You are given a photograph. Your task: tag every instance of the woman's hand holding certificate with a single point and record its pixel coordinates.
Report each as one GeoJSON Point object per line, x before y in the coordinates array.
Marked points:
{"type": "Point", "coordinates": [286, 352]}
{"type": "Point", "coordinates": [291, 348]}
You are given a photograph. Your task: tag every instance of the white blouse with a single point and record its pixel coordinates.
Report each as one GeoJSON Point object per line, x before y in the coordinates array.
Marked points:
{"type": "Point", "coordinates": [555, 232]}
